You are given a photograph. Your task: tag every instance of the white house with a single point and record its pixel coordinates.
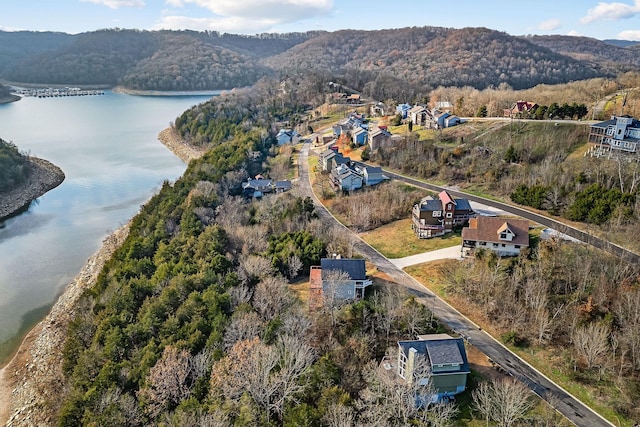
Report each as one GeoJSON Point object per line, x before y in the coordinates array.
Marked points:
{"type": "Point", "coordinates": [287, 136]}
{"type": "Point", "coordinates": [504, 236]}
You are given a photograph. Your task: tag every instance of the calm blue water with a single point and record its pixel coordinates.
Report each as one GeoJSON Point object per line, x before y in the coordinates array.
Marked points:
{"type": "Point", "coordinates": [108, 149]}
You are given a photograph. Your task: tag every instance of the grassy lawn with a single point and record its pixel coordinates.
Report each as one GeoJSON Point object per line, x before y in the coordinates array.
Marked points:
{"type": "Point", "coordinates": [397, 240]}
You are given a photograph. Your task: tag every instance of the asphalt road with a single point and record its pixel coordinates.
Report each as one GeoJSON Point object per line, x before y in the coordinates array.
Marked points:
{"type": "Point", "coordinates": [566, 404]}
{"type": "Point", "coordinates": [590, 239]}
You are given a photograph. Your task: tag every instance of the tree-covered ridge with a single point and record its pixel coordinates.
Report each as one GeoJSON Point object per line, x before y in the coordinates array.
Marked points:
{"type": "Point", "coordinates": [433, 56]}
{"type": "Point", "coordinates": [14, 167]}
{"type": "Point", "coordinates": [159, 60]}
{"type": "Point", "coordinates": [395, 62]}
{"type": "Point", "coordinates": [597, 52]}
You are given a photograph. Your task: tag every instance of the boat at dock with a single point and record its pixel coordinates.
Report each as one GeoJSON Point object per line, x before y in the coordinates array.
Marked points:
{"type": "Point", "coordinates": [57, 92]}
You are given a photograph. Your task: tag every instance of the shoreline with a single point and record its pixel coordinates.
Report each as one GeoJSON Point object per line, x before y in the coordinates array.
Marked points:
{"type": "Point", "coordinates": [44, 177]}
{"type": "Point", "coordinates": [169, 138]}
{"type": "Point", "coordinates": [29, 381]}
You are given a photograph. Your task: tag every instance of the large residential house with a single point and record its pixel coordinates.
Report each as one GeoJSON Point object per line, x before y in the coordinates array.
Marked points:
{"type": "Point", "coordinates": [379, 138]}
{"type": "Point", "coordinates": [620, 133]}
{"type": "Point", "coordinates": [359, 136]}
{"type": "Point", "coordinates": [351, 284]}
{"type": "Point", "coordinates": [372, 175]}
{"type": "Point", "coordinates": [418, 115]}
{"type": "Point", "coordinates": [403, 110]}
{"type": "Point", "coordinates": [435, 217]}
{"type": "Point", "coordinates": [287, 136]}
{"type": "Point", "coordinates": [259, 186]}
{"type": "Point", "coordinates": [437, 359]}
{"type": "Point", "coordinates": [520, 108]}
{"type": "Point", "coordinates": [330, 159]}
{"type": "Point", "coordinates": [346, 179]}
{"type": "Point", "coordinates": [504, 236]}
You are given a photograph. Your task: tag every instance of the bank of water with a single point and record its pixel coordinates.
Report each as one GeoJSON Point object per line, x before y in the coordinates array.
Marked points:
{"type": "Point", "coordinates": [108, 149]}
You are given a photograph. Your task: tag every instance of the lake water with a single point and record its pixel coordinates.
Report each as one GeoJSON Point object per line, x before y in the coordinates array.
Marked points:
{"type": "Point", "coordinates": [108, 149]}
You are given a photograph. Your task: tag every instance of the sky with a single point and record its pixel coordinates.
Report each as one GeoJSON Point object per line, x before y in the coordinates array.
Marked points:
{"type": "Point", "coordinates": [597, 19]}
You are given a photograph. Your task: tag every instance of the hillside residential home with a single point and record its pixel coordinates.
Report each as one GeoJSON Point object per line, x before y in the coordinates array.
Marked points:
{"type": "Point", "coordinates": [378, 109]}
{"type": "Point", "coordinates": [354, 99]}
{"type": "Point", "coordinates": [443, 106]}
{"type": "Point", "coordinates": [287, 136]}
{"type": "Point", "coordinates": [520, 108]}
{"type": "Point", "coordinates": [359, 136]}
{"type": "Point", "coordinates": [435, 217]}
{"type": "Point", "coordinates": [324, 284]}
{"type": "Point", "coordinates": [504, 236]}
{"type": "Point", "coordinates": [418, 115]}
{"type": "Point", "coordinates": [345, 178]}
{"type": "Point", "coordinates": [619, 134]}
{"type": "Point", "coordinates": [379, 138]}
{"type": "Point", "coordinates": [403, 110]}
{"type": "Point", "coordinates": [436, 359]}
{"type": "Point", "coordinates": [325, 158]}
{"type": "Point", "coordinates": [372, 175]}
{"type": "Point", "coordinates": [259, 186]}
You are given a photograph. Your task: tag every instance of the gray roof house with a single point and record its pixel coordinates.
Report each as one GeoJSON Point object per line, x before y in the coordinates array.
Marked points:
{"type": "Point", "coordinates": [436, 359]}
{"type": "Point", "coordinates": [351, 288]}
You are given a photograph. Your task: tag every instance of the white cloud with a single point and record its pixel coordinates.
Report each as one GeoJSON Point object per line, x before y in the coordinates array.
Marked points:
{"type": "Point", "coordinates": [574, 33]}
{"type": "Point", "coordinates": [245, 16]}
{"type": "Point", "coordinates": [235, 25]}
{"type": "Point", "coordinates": [550, 25]}
{"type": "Point", "coordinates": [611, 12]}
{"type": "Point", "coordinates": [117, 4]}
{"type": "Point", "coordinates": [629, 35]}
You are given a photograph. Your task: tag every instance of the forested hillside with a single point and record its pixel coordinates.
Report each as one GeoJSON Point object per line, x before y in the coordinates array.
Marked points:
{"type": "Point", "coordinates": [433, 56]}
{"type": "Point", "coordinates": [14, 167]}
{"type": "Point", "coordinates": [596, 52]}
{"type": "Point", "coordinates": [386, 63]}
{"type": "Point", "coordinates": [164, 60]}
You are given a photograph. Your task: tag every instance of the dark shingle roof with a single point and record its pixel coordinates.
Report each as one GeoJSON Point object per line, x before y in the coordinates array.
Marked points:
{"type": "Point", "coordinates": [355, 268]}
{"type": "Point", "coordinates": [444, 352]}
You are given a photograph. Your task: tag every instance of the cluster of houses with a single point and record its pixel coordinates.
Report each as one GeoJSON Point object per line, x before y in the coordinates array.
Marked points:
{"type": "Point", "coordinates": [618, 134]}
{"type": "Point", "coordinates": [360, 133]}
{"type": "Point", "coordinates": [430, 118]}
{"type": "Point", "coordinates": [346, 175]}
{"type": "Point", "coordinates": [433, 217]}
{"type": "Point", "coordinates": [259, 186]}
{"type": "Point", "coordinates": [438, 360]}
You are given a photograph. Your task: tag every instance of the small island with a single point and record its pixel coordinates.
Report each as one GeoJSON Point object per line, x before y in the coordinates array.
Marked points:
{"type": "Point", "coordinates": [23, 179]}
{"type": "Point", "coordinates": [6, 96]}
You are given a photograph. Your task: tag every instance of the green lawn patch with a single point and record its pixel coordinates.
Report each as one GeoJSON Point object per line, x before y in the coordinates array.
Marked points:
{"type": "Point", "coordinates": [397, 240]}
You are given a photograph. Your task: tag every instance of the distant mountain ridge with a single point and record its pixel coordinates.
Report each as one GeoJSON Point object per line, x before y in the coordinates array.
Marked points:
{"type": "Point", "coordinates": [423, 57]}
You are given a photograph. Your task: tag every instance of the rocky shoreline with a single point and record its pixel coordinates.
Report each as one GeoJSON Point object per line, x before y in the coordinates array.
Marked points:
{"type": "Point", "coordinates": [29, 383]}
{"type": "Point", "coordinates": [44, 176]}
{"type": "Point", "coordinates": [185, 152]}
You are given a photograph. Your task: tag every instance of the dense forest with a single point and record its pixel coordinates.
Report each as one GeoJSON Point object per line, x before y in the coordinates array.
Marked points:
{"type": "Point", "coordinates": [389, 62]}
{"type": "Point", "coordinates": [14, 167]}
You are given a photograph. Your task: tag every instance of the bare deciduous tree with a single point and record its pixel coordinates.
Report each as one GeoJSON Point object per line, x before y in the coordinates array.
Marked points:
{"type": "Point", "coordinates": [504, 400]}
{"type": "Point", "coordinates": [169, 381]}
{"type": "Point", "coordinates": [591, 341]}
{"type": "Point", "coordinates": [294, 266]}
{"type": "Point", "coordinates": [271, 297]}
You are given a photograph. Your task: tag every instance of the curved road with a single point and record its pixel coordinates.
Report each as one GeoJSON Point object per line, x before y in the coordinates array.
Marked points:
{"type": "Point", "coordinates": [566, 404]}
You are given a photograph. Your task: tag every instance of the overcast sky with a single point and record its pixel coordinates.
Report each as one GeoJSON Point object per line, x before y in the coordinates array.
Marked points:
{"type": "Point", "coordinates": [598, 19]}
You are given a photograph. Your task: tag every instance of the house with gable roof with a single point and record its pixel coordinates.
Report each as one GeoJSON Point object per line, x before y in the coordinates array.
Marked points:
{"type": "Point", "coordinates": [379, 137]}
{"type": "Point", "coordinates": [287, 136]}
{"type": "Point", "coordinates": [504, 236]}
{"type": "Point", "coordinates": [359, 136]}
{"type": "Point", "coordinates": [351, 286]}
{"type": "Point", "coordinates": [435, 217]}
{"type": "Point", "coordinates": [403, 110]}
{"type": "Point", "coordinates": [520, 108]}
{"type": "Point", "coordinates": [345, 178]}
{"type": "Point", "coordinates": [418, 115]}
{"type": "Point", "coordinates": [436, 359]}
